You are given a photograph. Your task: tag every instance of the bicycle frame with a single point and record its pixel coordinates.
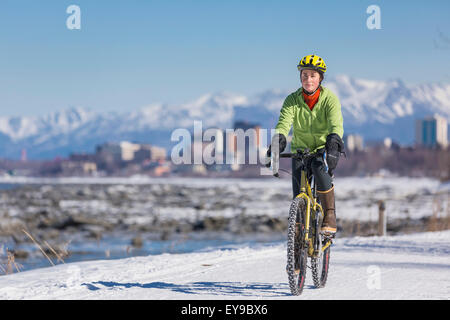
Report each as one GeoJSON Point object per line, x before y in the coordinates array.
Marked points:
{"type": "Point", "coordinates": [306, 193]}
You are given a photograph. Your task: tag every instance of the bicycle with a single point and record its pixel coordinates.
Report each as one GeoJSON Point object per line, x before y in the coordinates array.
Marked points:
{"type": "Point", "coordinates": [305, 219]}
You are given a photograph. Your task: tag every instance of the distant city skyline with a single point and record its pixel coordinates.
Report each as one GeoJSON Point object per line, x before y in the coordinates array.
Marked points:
{"type": "Point", "coordinates": [130, 54]}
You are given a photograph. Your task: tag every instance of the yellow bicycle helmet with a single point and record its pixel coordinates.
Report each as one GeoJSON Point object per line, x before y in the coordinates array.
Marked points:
{"type": "Point", "coordinates": [312, 62]}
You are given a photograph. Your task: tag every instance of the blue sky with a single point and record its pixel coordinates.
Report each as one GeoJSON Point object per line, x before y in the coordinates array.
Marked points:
{"type": "Point", "coordinates": [129, 54]}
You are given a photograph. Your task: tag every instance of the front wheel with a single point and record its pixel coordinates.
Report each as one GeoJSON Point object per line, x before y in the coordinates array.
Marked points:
{"type": "Point", "coordinates": [296, 249]}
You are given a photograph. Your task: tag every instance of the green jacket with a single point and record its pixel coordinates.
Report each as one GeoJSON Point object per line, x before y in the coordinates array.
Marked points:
{"type": "Point", "coordinates": [310, 127]}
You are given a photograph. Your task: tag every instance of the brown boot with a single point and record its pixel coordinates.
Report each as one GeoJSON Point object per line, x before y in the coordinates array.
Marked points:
{"type": "Point", "coordinates": [327, 201]}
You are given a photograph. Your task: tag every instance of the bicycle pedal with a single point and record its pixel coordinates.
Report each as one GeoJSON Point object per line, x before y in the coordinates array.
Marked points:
{"type": "Point", "coordinates": [328, 235]}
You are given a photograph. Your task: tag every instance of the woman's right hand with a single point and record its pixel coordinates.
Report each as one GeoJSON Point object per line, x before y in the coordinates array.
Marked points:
{"type": "Point", "coordinates": [277, 140]}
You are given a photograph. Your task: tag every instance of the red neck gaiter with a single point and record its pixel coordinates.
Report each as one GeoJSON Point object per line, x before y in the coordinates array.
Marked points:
{"type": "Point", "coordinates": [311, 100]}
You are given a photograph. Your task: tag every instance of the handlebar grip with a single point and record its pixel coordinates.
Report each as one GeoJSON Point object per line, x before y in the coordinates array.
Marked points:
{"type": "Point", "coordinates": [275, 163]}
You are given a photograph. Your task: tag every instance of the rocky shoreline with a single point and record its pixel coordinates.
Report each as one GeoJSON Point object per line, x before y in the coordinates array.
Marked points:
{"type": "Point", "coordinates": [50, 211]}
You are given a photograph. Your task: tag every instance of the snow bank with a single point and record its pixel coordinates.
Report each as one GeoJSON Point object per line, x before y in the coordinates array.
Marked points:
{"type": "Point", "coordinates": [415, 266]}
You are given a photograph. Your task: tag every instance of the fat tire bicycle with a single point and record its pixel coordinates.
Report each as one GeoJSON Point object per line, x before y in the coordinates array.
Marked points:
{"type": "Point", "coordinates": [305, 220]}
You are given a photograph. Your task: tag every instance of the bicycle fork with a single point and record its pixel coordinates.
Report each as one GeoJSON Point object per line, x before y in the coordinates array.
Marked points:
{"type": "Point", "coordinates": [305, 193]}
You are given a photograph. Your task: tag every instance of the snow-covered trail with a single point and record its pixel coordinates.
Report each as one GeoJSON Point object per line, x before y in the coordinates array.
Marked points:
{"type": "Point", "coordinates": [413, 266]}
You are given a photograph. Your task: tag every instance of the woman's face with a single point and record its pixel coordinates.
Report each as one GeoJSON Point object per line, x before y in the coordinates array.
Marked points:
{"type": "Point", "coordinates": [310, 80]}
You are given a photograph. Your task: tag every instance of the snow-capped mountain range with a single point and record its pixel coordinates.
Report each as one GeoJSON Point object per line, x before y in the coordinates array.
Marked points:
{"type": "Point", "coordinates": [373, 109]}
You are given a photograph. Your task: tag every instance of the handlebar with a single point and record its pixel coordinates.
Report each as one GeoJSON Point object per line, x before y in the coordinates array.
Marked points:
{"type": "Point", "coordinates": [300, 155]}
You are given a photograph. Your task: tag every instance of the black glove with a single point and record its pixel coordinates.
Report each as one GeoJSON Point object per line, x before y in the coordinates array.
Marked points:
{"type": "Point", "coordinates": [281, 144]}
{"type": "Point", "coordinates": [334, 147]}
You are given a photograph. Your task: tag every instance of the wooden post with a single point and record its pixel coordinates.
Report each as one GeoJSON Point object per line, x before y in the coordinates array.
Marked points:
{"type": "Point", "coordinates": [381, 218]}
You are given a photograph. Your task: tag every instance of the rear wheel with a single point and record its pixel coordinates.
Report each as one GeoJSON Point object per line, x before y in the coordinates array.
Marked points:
{"type": "Point", "coordinates": [296, 249]}
{"type": "Point", "coordinates": [320, 264]}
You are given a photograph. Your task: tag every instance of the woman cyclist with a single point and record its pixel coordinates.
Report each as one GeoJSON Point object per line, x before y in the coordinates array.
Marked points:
{"type": "Point", "coordinates": [315, 113]}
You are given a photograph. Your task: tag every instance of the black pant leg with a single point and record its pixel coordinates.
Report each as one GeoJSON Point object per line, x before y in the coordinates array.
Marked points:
{"type": "Point", "coordinates": [323, 178]}
{"type": "Point", "coordinates": [296, 177]}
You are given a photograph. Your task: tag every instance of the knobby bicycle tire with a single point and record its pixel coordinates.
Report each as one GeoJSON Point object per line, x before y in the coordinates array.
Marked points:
{"type": "Point", "coordinates": [296, 250]}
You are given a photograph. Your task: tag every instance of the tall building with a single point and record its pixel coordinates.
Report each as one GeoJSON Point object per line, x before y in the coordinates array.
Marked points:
{"type": "Point", "coordinates": [128, 149]}
{"type": "Point", "coordinates": [354, 142]}
{"type": "Point", "coordinates": [432, 131]}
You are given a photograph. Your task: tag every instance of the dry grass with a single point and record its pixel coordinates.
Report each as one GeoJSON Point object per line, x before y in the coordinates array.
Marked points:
{"type": "Point", "coordinates": [39, 246]}
{"type": "Point", "coordinates": [63, 252]}
{"type": "Point", "coordinates": [10, 264]}
{"type": "Point", "coordinates": [63, 249]}
{"type": "Point", "coordinates": [54, 252]}
{"type": "Point", "coordinates": [440, 219]}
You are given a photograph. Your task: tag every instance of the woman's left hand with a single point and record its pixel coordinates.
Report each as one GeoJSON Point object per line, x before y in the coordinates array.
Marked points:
{"type": "Point", "coordinates": [334, 147]}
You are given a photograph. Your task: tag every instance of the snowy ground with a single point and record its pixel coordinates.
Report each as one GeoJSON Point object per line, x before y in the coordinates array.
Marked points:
{"type": "Point", "coordinates": [415, 266]}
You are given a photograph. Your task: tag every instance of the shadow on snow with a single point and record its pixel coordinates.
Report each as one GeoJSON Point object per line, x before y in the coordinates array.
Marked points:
{"type": "Point", "coordinates": [213, 288]}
